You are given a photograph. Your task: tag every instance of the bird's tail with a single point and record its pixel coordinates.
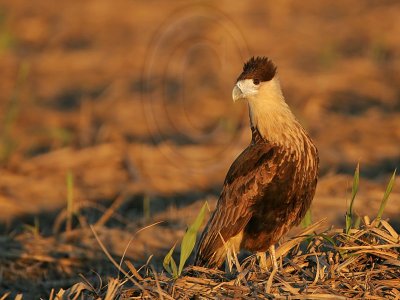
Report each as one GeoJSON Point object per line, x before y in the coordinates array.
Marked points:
{"type": "Point", "coordinates": [212, 260]}
{"type": "Point", "coordinates": [210, 252]}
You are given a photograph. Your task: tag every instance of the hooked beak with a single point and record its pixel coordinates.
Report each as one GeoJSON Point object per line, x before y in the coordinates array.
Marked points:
{"type": "Point", "coordinates": [237, 93]}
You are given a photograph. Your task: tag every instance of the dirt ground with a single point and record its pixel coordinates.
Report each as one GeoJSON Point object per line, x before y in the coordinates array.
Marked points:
{"type": "Point", "coordinates": [132, 99]}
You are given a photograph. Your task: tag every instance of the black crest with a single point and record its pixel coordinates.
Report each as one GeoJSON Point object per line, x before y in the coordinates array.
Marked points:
{"type": "Point", "coordinates": [261, 68]}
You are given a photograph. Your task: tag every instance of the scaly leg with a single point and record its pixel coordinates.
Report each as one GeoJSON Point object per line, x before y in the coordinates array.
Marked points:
{"type": "Point", "coordinates": [262, 260]}
{"type": "Point", "coordinates": [273, 257]}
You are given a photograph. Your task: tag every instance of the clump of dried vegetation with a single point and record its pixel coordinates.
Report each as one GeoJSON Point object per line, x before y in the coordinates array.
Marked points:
{"type": "Point", "coordinates": [317, 264]}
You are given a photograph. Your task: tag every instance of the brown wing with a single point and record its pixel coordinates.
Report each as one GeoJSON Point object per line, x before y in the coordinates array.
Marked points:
{"type": "Point", "coordinates": [254, 168]}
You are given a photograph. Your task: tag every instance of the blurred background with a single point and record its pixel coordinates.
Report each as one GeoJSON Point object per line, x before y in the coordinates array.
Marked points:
{"type": "Point", "coordinates": [124, 108]}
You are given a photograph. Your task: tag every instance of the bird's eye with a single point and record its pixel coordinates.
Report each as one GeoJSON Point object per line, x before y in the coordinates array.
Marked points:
{"type": "Point", "coordinates": [256, 81]}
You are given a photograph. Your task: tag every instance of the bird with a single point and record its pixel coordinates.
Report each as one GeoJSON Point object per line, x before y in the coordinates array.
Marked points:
{"type": "Point", "coordinates": [271, 184]}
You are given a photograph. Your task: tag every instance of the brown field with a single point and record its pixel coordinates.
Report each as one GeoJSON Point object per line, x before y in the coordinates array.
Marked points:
{"type": "Point", "coordinates": [131, 100]}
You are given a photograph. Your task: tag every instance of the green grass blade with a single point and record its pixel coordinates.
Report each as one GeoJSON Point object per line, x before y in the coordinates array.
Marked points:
{"type": "Point", "coordinates": [348, 222]}
{"type": "Point", "coordinates": [70, 200]}
{"type": "Point", "coordinates": [189, 239]}
{"type": "Point", "coordinates": [386, 197]}
{"type": "Point", "coordinates": [329, 239]}
{"type": "Point", "coordinates": [307, 220]}
{"type": "Point", "coordinates": [354, 190]}
{"type": "Point", "coordinates": [174, 268]}
{"type": "Point", "coordinates": [357, 222]}
{"type": "Point", "coordinates": [167, 263]}
{"type": "Point", "coordinates": [146, 207]}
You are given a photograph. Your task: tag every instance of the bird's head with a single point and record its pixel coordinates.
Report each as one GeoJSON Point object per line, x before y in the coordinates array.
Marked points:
{"type": "Point", "coordinates": [259, 85]}
{"type": "Point", "coordinates": [257, 78]}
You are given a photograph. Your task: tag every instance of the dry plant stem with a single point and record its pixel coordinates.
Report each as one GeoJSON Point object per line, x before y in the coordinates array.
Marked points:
{"type": "Point", "coordinates": [5, 296]}
{"type": "Point", "coordinates": [113, 261]}
{"type": "Point", "coordinates": [159, 290]}
{"type": "Point", "coordinates": [133, 270]}
{"type": "Point", "coordinates": [111, 210]}
{"type": "Point", "coordinates": [270, 280]}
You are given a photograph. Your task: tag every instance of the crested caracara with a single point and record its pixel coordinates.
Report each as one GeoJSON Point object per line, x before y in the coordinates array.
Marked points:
{"type": "Point", "coordinates": [271, 184]}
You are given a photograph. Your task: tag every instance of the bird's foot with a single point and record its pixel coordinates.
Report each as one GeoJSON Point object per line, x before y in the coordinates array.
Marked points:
{"type": "Point", "coordinates": [262, 261]}
{"type": "Point", "coordinates": [273, 257]}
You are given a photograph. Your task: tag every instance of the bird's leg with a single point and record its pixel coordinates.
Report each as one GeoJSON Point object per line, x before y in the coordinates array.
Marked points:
{"type": "Point", "coordinates": [262, 260]}
{"type": "Point", "coordinates": [273, 257]}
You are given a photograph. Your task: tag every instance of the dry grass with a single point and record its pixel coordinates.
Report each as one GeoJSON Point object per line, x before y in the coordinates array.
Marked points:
{"type": "Point", "coordinates": [317, 264]}
{"type": "Point", "coordinates": [53, 121]}
{"type": "Point", "coordinates": [358, 261]}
